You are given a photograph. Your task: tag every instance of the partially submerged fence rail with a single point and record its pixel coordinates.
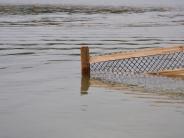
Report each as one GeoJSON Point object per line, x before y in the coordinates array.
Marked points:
{"type": "Point", "coordinates": [152, 60]}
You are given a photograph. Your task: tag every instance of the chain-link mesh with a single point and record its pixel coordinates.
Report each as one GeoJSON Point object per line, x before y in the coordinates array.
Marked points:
{"type": "Point", "coordinates": [131, 71]}
{"type": "Point", "coordinates": [154, 63]}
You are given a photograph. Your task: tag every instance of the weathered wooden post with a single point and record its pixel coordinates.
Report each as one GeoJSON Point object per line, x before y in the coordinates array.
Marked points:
{"type": "Point", "coordinates": [85, 65]}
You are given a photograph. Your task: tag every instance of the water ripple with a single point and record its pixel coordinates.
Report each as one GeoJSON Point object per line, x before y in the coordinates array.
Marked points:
{"type": "Point", "coordinates": [39, 9]}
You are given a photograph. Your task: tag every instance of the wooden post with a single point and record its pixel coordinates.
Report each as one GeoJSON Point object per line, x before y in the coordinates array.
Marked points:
{"type": "Point", "coordinates": [85, 65]}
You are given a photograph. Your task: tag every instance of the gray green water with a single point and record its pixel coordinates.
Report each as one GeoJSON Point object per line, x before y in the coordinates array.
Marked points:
{"type": "Point", "coordinates": [40, 80]}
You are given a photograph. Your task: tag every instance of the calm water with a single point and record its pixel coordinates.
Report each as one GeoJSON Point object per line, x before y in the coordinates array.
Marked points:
{"type": "Point", "coordinates": [40, 80]}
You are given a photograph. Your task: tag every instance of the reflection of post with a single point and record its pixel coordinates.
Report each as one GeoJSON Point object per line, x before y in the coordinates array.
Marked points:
{"type": "Point", "coordinates": [85, 85]}
{"type": "Point", "coordinates": [85, 65]}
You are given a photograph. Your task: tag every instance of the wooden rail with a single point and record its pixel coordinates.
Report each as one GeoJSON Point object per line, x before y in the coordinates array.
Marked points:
{"type": "Point", "coordinates": [134, 54]}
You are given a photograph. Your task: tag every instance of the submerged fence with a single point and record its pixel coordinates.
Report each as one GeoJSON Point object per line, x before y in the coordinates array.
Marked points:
{"type": "Point", "coordinates": [153, 60]}
{"type": "Point", "coordinates": [135, 69]}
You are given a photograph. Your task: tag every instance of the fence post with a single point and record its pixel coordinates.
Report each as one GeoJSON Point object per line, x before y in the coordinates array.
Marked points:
{"type": "Point", "coordinates": [85, 65]}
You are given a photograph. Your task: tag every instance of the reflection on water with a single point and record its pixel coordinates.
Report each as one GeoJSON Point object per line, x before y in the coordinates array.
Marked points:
{"type": "Point", "coordinates": [40, 72]}
{"type": "Point", "coordinates": [164, 89]}
{"type": "Point", "coordinates": [85, 84]}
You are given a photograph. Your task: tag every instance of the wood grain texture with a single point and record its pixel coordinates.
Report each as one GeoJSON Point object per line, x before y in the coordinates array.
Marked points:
{"type": "Point", "coordinates": [85, 65]}
{"type": "Point", "coordinates": [134, 54]}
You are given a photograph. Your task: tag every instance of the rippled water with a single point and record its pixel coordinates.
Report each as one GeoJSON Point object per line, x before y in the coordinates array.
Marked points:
{"type": "Point", "coordinates": [40, 80]}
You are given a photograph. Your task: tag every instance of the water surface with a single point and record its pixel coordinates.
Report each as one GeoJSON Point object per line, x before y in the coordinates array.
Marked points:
{"type": "Point", "coordinates": [40, 80]}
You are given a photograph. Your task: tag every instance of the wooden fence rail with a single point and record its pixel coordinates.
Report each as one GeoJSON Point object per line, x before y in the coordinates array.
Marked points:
{"type": "Point", "coordinates": [134, 54]}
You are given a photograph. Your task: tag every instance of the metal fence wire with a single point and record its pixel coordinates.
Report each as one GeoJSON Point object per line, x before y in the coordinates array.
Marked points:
{"type": "Point", "coordinates": [153, 63]}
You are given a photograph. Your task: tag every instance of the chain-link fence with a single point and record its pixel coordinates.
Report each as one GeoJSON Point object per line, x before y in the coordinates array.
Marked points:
{"type": "Point", "coordinates": [136, 68]}
{"type": "Point", "coordinates": [154, 63]}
